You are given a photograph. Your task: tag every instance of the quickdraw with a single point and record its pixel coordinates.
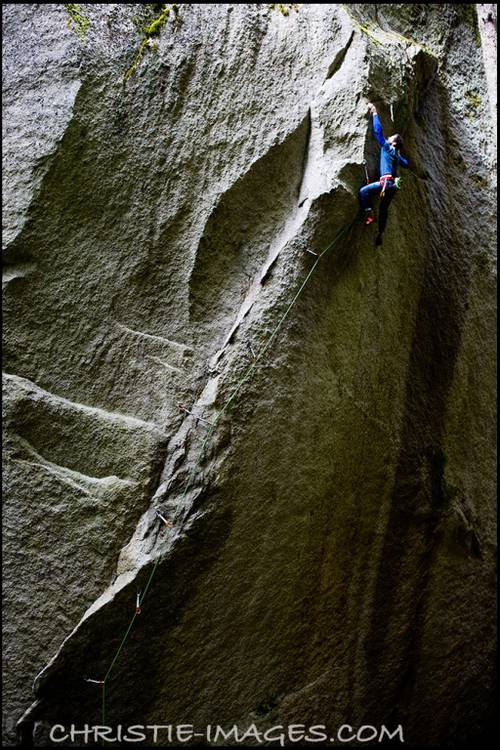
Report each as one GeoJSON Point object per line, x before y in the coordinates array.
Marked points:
{"type": "Point", "coordinates": [167, 523]}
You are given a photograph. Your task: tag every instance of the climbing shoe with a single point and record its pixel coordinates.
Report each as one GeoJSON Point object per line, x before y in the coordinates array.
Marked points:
{"type": "Point", "coordinates": [369, 217]}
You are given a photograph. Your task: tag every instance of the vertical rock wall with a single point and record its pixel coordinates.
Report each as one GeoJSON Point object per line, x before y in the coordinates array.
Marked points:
{"type": "Point", "coordinates": [332, 554]}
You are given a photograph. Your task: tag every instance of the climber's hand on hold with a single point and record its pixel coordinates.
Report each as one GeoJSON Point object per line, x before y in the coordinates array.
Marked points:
{"type": "Point", "coordinates": [372, 109]}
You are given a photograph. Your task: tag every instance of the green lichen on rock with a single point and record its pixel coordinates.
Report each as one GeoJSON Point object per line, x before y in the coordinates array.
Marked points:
{"type": "Point", "coordinates": [479, 181]}
{"type": "Point", "coordinates": [285, 8]}
{"type": "Point", "coordinates": [77, 21]}
{"type": "Point", "coordinates": [474, 101]}
{"type": "Point", "coordinates": [380, 36]}
{"type": "Point", "coordinates": [365, 29]}
{"type": "Point", "coordinates": [138, 57]}
{"type": "Point", "coordinates": [152, 29]}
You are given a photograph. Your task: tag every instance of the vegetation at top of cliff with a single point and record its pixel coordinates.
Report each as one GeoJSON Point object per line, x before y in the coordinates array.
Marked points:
{"type": "Point", "coordinates": [157, 24]}
{"type": "Point", "coordinates": [150, 28]}
{"type": "Point", "coordinates": [77, 21]}
{"type": "Point", "coordinates": [285, 8]}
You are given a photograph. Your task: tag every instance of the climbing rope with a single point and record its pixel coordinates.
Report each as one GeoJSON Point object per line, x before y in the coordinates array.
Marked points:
{"type": "Point", "coordinates": [212, 425]}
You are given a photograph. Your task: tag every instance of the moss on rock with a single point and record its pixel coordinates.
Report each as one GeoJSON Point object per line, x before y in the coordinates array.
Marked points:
{"type": "Point", "coordinates": [77, 21]}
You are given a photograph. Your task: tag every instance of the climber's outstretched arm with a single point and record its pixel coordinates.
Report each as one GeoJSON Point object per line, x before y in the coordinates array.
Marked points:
{"type": "Point", "coordinates": [377, 128]}
{"type": "Point", "coordinates": [377, 125]}
{"type": "Point", "coordinates": [403, 162]}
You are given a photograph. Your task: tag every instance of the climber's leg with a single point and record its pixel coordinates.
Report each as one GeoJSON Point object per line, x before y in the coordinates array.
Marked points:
{"type": "Point", "coordinates": [366, 194]}
{"type": "Point", "coordinates": [382, 213]}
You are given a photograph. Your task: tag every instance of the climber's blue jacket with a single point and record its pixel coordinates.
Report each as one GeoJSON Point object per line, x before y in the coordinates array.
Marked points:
{"type": "Point", "coordinates": [389, 158]}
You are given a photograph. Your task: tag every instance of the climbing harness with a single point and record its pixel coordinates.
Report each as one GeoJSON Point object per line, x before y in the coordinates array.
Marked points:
{"type": "Point", "coordinates": [387, 180]}
{"type": "Point", "coordinates": [212, 425]}
{"type": "Point", "coordinates": [391, 182]}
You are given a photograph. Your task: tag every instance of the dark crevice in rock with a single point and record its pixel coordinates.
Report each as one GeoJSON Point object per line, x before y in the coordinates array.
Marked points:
{"type": "Point", "coordinates": [411, 539]}
{"type": "Point", "coordinates": [339, 58]}
{"type": "Point", "coordinates": [242, 229]}
{"type": "Point", "coordinates": [306, 156]}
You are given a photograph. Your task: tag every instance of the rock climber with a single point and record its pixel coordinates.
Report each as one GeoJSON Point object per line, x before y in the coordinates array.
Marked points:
{"type": "Point", "coordinates": [390, 159]}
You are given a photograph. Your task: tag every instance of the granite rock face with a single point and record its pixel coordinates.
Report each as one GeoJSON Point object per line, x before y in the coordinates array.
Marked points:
{"type": "Point", "coordinates": [332, 555]}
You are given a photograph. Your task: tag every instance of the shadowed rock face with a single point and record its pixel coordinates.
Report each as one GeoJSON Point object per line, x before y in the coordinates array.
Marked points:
{"type": "Point", "coordinates": [332, 555]}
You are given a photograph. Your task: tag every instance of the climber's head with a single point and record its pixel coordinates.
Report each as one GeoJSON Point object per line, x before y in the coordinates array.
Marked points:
{"type": "Point", "coordinates": [396, 141]}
